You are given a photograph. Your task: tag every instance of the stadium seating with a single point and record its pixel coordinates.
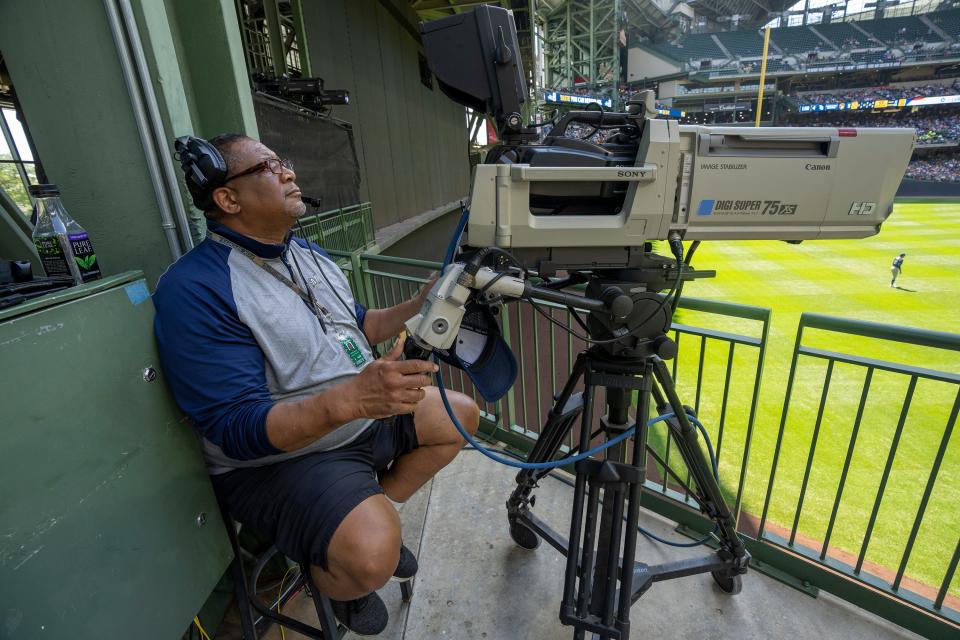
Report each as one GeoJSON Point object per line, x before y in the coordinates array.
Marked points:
{"type": "Point", "coordinates": [868, 57]}
{"type": "Point", "coordinates": [948, 21]}
{"type": "Point", "coordinates": [669, 50]}
{"type": "Point", "coordinates": [934, 125]}
{"type": "Point", "coordinates": [800, 40]}
{"type": "Point", "coordinates": [937, 168]}
{"type": "Point", "coordinates": [900, 30]}
{"type": "Point", "coordinates": [844, 36]}
{"type": "Point", "coordinates": [775, 65]}
{"type": "Point", "coordinates": [796, 40]}
{"type": "Point", "coordinates": [744, 44]}
{"type": "Point", "coordinates": [694, 47]}
{"type": "Point", "coordinates": [700, 46]}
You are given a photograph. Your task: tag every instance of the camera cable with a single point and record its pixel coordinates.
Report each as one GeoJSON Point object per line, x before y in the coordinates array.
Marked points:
{"type": "Point", "coordinates": [448, 258]}
{"type": "Point", "coordinates": [475, 262]}
{"type": "Point", "coordinates": [559, 478]}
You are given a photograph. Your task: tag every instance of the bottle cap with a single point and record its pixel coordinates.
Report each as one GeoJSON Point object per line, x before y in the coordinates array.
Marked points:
{"type": "Point", "coordinates": [44, 190]}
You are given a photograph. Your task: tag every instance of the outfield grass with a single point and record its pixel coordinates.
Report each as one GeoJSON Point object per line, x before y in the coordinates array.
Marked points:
{"type": "Point", "coordinates": [848, 279]}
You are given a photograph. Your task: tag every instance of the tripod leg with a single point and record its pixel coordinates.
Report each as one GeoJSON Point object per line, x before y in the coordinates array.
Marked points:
{"type": "Point", "coordinates": [562, 416]}
{"type": "Point", "coordinates": [711, 497]}
{"type": "Point", "coordinates": [607, 570]}
{"type": "Point", "coordinates": [615, 422]}
{"type": "Point", "coordinates": [576, 518]}
{"type": "Point", "coordinates": [585, 572]}
{"type": "Point", "coordinates": [558, 423]}
{"type": "Point", "coordinates": [633, 504]}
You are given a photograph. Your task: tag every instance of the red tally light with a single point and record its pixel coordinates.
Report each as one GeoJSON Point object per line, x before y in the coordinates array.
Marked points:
{"type": "Point", "coordinates": [847, 133]}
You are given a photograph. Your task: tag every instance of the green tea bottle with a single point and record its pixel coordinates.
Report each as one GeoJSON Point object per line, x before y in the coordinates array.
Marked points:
{"type": "Point", "coordinates": [64, 246]}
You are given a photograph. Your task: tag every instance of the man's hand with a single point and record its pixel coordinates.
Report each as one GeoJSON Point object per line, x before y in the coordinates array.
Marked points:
{"type": "Point", "coordinates": [389, 386]}
{"type": "Point", "coordinates": [425, 290]}
{"type": "Point", "coordinates": [383, 324]}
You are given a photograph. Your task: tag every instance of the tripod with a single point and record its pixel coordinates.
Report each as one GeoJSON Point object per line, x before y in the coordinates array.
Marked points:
{"type": "Point", "coordinates": [601, 547]}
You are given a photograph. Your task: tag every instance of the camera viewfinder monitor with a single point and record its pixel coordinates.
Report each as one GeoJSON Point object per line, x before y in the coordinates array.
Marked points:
{"type": "Point", "coordinates": [476, 59]}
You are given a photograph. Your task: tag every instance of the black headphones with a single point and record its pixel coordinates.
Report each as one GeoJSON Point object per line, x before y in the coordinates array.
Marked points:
{"type": "Point", "coordinates": [204, 169]}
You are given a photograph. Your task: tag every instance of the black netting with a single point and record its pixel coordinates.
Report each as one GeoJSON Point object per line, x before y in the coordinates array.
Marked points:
{"type": "Point", "coordinates": [322, 151]}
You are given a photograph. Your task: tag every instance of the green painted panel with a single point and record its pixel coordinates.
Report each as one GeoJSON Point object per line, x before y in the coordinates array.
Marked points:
{"type": "Point", "coordinates": [104, 483]}
{"type": "Point", "coordinates": [329, 39]}
{"type": "Point", "coordinates": [396, 117]}
{"type": "Point", "coordinates": [411, 141]}
{"type": "Point", "coordinates": [211, 49]}
{"type": "Point", "coordinates": [373, 104]}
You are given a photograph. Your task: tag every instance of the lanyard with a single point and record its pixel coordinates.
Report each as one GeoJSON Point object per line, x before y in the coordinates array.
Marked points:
{"type": "Point", "coordinates": [312, 304]}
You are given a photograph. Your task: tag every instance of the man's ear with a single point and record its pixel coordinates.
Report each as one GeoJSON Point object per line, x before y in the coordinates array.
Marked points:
{"type": "Point", "coordinates": [226, 200]}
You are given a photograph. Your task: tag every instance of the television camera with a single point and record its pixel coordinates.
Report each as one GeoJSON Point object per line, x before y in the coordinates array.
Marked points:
{"type": "Point", "coordinates": [307, 92]}
{"type": "Point", "coordinates": [589, 211]}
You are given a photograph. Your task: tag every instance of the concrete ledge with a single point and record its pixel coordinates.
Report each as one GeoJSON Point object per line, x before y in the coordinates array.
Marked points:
{"type": "Point", "coordinates": [393, 233]}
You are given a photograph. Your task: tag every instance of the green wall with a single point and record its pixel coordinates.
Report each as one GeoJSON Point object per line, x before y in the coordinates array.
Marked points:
{"type": "Point", "coordinates": [411, 140]}
{"type": "Point", "coordinates": [196, 63]}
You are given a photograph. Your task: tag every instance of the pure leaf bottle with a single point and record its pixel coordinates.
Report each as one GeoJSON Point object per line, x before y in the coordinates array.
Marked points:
{"type": "Point", "coordinates": [64, 246]}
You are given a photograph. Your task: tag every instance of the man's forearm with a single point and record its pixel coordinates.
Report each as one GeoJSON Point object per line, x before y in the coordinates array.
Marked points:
{"type": "Point", "coordinates": [382, 324]}
{"type": "Point", "coordinates": [385, 387]}
{"type": "Point", "coordinates": [294, 425]}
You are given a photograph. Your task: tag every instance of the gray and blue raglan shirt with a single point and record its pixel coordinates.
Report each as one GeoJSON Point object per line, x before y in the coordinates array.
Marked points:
{"type": "Point", "coordinates": [234, 340]}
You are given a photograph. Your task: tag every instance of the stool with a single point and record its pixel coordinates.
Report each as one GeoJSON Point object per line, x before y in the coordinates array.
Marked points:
{"type": "Point", "coordinates": [245, 591]}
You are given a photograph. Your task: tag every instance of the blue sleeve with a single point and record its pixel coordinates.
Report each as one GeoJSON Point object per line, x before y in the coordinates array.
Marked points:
{"type": "Point", "coordinates": [361, 313]}
{"type": "Point", "coordinates": [213, 365]}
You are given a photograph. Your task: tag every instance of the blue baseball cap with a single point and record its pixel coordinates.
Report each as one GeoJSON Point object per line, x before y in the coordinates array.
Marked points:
{"type": "Point", "coordinates": [481, 352]}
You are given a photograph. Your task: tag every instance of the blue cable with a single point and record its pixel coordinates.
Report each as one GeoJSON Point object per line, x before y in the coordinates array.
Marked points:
{"type": "Point", "coordinates": [455, 240]}
{"type": "Point", "coordinates": [554, 464]}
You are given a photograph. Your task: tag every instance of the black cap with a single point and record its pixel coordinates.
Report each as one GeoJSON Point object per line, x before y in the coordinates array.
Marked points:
{"type": "Point", "coordinates": [44, 190]}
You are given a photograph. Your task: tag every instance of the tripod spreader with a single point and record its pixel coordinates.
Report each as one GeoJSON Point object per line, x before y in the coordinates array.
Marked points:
{"type": "Point", "coordinates": [602, 579]}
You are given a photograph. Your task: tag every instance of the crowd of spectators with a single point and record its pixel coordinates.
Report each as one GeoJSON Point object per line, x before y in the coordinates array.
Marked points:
{"type": "Point", "coordinates": [880, 93]}
{"type": "Point", "coordinates": [943, 167]}
{"type": "Point", "coordinates": [934, 125]}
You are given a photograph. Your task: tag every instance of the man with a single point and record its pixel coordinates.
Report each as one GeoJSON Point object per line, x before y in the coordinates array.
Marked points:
{"type": "Point", "coordinates": [305, 434]}
{"type": "Point", "coordinates": [897, 266]}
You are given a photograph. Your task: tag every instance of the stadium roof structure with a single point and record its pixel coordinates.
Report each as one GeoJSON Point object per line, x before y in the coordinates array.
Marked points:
{"type": "Point", "coordinates": [748, 10]}
{"type": "Point", "coordinates": [647, 17]}
{"type": "Point", "coordinates": [433, 9]}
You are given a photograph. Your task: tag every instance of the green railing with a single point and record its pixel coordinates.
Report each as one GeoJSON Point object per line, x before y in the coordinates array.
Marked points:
{"type": "Point", "coordinates": [719, 371]}
{"type": "Point", "coordinates": [347, 229]}
{"type": "Point", "coordinates": [851, 387]}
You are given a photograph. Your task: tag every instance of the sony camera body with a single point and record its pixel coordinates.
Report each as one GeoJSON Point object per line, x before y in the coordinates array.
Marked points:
{"type": "Point", "coordinates": [575, 203]}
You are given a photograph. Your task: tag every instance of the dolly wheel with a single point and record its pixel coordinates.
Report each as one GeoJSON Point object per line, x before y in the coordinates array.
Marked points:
{"type": "Point", "coordinates": [524, 535]}
{"type": "Point", "coordinates": [727, 583]}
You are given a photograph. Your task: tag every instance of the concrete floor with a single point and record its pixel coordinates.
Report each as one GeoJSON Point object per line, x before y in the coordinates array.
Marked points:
{"type": "Point", "coordinates": [475, 583]}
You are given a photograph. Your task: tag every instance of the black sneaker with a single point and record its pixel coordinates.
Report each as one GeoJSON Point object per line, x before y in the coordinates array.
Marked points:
{"type": "Point", "coordinates": [366, 616]}
{"type": "Point", "coordinates": [407, 567]}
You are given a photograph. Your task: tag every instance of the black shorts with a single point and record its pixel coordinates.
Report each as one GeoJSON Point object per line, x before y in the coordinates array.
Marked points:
{"type": "Point", "coordinates": [299, 503]}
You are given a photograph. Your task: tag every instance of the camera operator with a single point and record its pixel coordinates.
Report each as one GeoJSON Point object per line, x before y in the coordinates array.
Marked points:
{"type": "Point", "coordinates": [305, 434]}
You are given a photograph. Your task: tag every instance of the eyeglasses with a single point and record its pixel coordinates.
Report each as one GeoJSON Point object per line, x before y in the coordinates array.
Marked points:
{"type": "Point", "coordinates": [275, 165]}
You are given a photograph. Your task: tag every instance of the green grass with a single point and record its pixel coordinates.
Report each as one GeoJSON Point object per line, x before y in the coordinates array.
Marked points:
{"type": "Point", "coordinates": [848, 279]}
